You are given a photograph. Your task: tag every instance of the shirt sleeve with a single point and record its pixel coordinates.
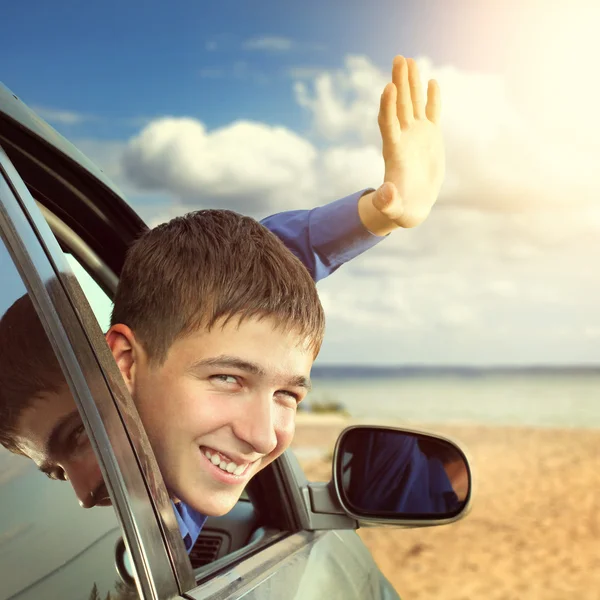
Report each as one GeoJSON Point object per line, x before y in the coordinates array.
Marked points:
{"type": "Point", "coordinates": [326, 237]}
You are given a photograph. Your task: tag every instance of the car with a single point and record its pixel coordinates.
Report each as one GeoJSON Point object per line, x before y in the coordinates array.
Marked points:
{"type": "Point", "coordinates": [65, 230]}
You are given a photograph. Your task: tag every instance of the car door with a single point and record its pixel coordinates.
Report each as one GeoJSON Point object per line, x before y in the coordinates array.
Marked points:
{"type": "Point", "coordinates": [288, 552]}
{"type": "Point", "coordinates": [56, 548]}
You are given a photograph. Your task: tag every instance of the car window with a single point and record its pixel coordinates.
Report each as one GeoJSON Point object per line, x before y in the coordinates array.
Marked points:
{"type": "Point", "coordinates": [50, 545]}
{"type": "Point", "coordinates": [99, 301]}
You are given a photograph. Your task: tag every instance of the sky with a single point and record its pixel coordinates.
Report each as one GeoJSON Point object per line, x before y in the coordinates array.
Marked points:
{"type": "Point", "coordinates": [267, 106]}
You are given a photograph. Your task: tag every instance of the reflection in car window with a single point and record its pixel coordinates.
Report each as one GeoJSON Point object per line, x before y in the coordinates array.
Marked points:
{"type": "Point", "coordinates": [50, 547]}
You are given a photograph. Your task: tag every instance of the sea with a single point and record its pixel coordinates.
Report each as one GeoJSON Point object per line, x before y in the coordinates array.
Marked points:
{"type": "Point", "coordinates": [536, 397]}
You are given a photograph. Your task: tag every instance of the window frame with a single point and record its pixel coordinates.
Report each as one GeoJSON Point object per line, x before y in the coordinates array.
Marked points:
{"type": "Point", "coordinates": [99, 393]}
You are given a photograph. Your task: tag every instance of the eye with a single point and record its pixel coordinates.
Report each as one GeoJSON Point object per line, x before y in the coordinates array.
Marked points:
{"type": "Point", "coordinates": [227, 380]}
{"type": "Point", "coordinates": [78, 436]}
{"type": "Point", "coordinates": [290, 396]}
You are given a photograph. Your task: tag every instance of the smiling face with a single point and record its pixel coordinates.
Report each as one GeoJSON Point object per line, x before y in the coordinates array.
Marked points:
{"type": "Point", "coordinates": [220, 408]}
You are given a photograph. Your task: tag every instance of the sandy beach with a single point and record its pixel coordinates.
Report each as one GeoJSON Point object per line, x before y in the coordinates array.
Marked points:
{"type": "Point", "coordinates": [533, 531]}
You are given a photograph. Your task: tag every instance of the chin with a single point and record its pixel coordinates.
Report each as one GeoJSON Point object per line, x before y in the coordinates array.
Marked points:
{"type": "Point", "coordinates": [217, 509]}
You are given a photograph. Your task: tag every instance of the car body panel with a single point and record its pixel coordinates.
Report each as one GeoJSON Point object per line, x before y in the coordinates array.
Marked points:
{"type": "Point", "coordinates": [305, 566]}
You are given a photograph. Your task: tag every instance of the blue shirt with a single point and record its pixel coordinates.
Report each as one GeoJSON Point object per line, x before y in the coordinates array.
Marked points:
{"type": "Point", "coordinates": [190, 523]}
{"type": "Point", "coordinates": [390, 473]}
{"type": "Point", "coordinates": [323, 238]}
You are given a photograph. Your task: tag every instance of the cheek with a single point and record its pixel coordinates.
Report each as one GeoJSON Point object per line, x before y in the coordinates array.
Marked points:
{"type": "Point", "coordinates": [285, 427]}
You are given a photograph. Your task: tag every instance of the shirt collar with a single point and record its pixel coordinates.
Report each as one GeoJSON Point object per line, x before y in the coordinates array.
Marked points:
{"type": "Point", "coordinates": [190, 523]}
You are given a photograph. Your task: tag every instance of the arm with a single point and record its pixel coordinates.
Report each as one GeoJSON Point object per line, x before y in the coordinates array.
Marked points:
{"type": "Point", "coordinates": [326, 237]}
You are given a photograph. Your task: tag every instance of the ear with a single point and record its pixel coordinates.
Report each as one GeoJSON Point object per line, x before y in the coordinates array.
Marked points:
{"type": "Point", "coordinates": [127, 352]}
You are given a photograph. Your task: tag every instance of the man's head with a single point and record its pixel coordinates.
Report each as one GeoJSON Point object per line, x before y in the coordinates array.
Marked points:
{"type": "Point", "coordinates": [38, 416]}
{"type": "Point", "coordinates": [215, 328]}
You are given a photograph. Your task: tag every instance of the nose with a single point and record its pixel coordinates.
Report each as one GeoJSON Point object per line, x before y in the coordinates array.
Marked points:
{"type": "Point", "coordinates": [85, 478]}
{"type": "Point", "coordinates": [255, 424]}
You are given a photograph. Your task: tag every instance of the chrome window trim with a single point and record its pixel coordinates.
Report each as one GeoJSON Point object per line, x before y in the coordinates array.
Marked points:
{"type": "Point", "coordinates": [256, 568]}
{"type": "Point", "coordinates": [93, 379]}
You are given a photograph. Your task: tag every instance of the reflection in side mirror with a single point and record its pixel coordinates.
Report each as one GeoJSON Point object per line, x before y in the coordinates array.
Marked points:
{"type": "Point", "coordinates": [388, 473]}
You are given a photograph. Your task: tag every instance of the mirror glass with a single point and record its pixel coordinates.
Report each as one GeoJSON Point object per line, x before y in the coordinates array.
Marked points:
{"type": "Point", "coordinates": [384, 472]}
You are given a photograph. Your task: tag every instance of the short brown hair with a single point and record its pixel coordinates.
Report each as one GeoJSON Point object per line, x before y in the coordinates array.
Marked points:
{"type": "Point", "coordinates": [209, 265]}
{"type": "Point", "coordinates": [28, 366]}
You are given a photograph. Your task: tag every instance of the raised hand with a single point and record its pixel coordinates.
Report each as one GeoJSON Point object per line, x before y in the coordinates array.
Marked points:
{"type": "Point", "coordinates": [413, 152]}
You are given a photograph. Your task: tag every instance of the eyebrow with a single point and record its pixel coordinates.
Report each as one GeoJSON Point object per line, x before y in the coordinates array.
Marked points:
{"type": "Point", "coordinates": [234, 362]}
{"type": "Point", "coordinates": [55, 444]}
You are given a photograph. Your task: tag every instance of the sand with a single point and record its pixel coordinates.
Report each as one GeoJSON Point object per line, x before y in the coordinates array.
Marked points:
{"type": "Point", "coordinates": [533, 531]}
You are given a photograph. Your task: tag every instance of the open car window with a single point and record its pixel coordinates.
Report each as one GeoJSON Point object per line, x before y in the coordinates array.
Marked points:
{"type": "Point", "coordinates": [94, 391]}
{"type": "Point", "coordinates": [50, 545]}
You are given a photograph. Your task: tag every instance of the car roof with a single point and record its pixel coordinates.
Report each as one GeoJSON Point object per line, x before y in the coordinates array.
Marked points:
{"type": "Point", "coordinates": [67, 183]}
{"type": "Point", "coordinates": [14, 108]}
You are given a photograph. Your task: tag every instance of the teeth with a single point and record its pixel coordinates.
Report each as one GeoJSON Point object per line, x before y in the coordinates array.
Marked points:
{"type": "Point", "coordinates": [228, 467]}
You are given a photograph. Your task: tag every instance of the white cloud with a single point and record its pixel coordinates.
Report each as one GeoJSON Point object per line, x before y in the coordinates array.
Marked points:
{"type": "Point", "coordinates": [107, 154]}
{"type": "Point", "coordinates": [305, 72]}
{"type": "Point", "coordinates": [62, 117]}
{"type": "Point", "coordinates": [279, 44]}
{"type": "Point", "coordinates": [342, 170]}
{"type": "Point", "coordinates": [250, 166]}
{"type": "Point", "coordinates": [269, 43]}
{"type": "Point", "coordinates": [344, 103]}
{"type": "Point", "coordinates": [496, 159]}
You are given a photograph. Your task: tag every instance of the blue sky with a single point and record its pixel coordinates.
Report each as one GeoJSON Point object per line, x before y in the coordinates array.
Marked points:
{"type": "Point", "coordinates": [190, 104]}
{"type": "Point", "coordinates": [125, 60]}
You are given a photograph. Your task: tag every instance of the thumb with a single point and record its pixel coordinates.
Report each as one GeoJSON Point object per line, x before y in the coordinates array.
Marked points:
{"type": "Point", "coordinates": [388, 202]}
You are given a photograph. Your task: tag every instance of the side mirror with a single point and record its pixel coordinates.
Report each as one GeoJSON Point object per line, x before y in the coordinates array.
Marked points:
{"type": "Point", "coordinates": [381, 472]}
{"type": "Point", "coordinates": [394, 476]}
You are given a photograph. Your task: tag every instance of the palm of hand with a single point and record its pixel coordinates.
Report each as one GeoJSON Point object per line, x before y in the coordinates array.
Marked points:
{"type": "Point", "coordinates": [416, 166]}
{"type": "Point", "coordinates": [413, 148]}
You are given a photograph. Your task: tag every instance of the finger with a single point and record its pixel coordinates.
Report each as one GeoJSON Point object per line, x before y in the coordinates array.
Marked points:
{"type": "Point", "coordinates": [416, 91]}
{"type": "Point", "coordinates": [388, 202]}
{"type": "Point", "coordinates": [404, 108]}
{"type": "Point", "coordinates": [389, 125]}
{"type": "Point", "coordinates": [434, 102]}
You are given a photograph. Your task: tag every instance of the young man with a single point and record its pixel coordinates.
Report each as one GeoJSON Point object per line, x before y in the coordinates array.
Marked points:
{"type": "Point", "coordinates": [217, 393]}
